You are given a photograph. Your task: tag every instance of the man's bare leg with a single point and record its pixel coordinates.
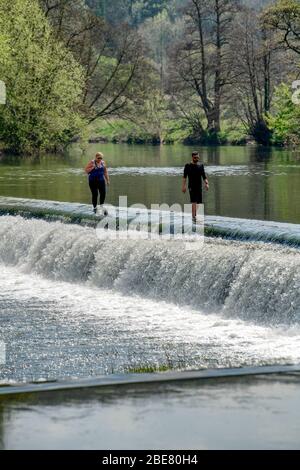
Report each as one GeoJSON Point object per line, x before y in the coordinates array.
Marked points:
{"type": "Point", "coordinates": [194, 211]}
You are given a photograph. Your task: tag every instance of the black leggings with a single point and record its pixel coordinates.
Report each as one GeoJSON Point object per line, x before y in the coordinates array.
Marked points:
{"type": "Point", "coordinates": [96, 186]}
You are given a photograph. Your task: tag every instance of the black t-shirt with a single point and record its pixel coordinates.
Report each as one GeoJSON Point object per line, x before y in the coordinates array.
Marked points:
{"type": "Point", "coordinates": [194, 173]}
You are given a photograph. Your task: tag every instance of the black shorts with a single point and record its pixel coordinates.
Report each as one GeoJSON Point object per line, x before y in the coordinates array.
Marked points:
{"type": "Point", "coordinates": [196, 196]}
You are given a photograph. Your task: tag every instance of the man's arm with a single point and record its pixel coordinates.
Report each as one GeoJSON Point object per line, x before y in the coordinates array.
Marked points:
{"type": "Point", "coordinates": [206, 182]}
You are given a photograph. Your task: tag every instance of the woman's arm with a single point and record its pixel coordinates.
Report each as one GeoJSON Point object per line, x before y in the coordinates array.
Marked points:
{"type": "Point", "coordinates": [90, 166]}
{"type": "Point", "coordinates": [106, 175]}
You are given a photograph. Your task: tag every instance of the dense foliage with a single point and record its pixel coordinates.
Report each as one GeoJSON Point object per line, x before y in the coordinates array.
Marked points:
{"type": "Point", "coordinates": [206, 71]}
{"type": "Point", "coordinates": [286, 118]}
{"type": "Point", "coordinates": [134, 11]}
{"type": "Point", "coordinates": [44, 82]}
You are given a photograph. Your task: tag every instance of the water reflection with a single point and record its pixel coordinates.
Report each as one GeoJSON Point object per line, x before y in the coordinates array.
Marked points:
{"type": "Point", "coordinates": [192, 415]}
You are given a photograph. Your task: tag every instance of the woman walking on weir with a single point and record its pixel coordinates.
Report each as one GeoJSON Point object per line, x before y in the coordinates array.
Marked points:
{"type": "Point", "coordinates": [98, 179]}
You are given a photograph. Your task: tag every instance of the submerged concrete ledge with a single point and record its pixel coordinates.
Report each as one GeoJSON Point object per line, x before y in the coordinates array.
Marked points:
{"type": "Point", "coordinates": [245, 230]}
{"type": "Point", "coordinates": [132, 379]}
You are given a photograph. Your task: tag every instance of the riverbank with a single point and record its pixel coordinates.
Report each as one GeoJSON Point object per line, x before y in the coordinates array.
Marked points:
{"type": "Point", "coordinates": [173, 132]}
{"type": "Point", "coordinates": [121, 131]}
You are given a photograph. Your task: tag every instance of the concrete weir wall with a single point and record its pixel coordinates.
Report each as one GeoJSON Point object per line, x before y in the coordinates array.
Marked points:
{"type": "Point", "coordinates": [144, 379]}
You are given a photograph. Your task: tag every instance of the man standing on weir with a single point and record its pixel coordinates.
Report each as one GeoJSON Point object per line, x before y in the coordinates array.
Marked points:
{"type": "Point", "coordinates": [195, 173]}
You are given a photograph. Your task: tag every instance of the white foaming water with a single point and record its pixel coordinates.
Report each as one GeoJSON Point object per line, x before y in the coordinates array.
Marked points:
{"type": "Point", "coordinates": [128, 303]}
{"type": "Point", "coordinates": [57, 329]}
{"type": "Point", "coordinates": [257, 282]}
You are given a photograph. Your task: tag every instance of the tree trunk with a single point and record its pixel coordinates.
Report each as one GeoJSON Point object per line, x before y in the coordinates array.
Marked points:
{"type": "Point", "coordinates": [217, 103]}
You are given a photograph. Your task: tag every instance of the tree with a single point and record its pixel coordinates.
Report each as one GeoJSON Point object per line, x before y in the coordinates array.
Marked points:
{"type": "Point", "coordinates": [259, 67]}
{"type": "Point", "coordinates": [201, 60]}
{"type": "Point", "coordinates": [133, 11]}
{"type": "Point", "coordinates": [153, 116]}
{"type": "Point", "coordinates": [286, 118]}
{"type": "Point", "coordinates": [253, 85]}
{"type": "Point", "coordinates": [158, 33]}
{"type": "Point", "coordinates": [284, 19]}
{"type": "Point", "coordinates": [44, 82]}
{"type": "Point", "coordinates": [116, 11]}
{"type": "Point", "coordinates": [143, 9]}
{"type": "Point", "coordinates": [112, 56]}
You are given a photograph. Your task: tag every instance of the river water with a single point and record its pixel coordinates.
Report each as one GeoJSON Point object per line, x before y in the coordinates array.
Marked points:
{"type": "Point", "coordinates": [246, 182]}
{"type": "Point", "coordinates": [73, 305]}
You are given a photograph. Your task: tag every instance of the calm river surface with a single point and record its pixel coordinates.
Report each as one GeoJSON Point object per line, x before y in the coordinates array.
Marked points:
{"type": "Point", "coordinates": [246, 182]}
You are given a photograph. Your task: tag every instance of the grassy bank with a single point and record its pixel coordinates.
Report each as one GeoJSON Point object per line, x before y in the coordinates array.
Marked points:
{"type": "Point", "coordinates": [175, 131]}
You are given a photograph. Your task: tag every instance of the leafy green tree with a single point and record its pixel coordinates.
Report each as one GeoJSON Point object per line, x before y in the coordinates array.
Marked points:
{"type": "Point", "coordinates": [286, 119]}
{"type": "Point", "coordinates": [154, 116]}
{"type": "Point", "coordinates": [4, 47]}
{"type": "Point", "coordinates": [43, 80]}
{"type": "Point", "coordinates": [284, 18]}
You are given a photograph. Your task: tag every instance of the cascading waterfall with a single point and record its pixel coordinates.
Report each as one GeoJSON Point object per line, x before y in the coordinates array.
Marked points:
{"type": "Point", "coordinates": [253, 281]}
